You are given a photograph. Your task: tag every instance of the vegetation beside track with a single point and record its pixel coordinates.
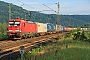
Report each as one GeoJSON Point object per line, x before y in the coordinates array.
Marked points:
{"type": "Point", "coordinates": [66, 48]}
{"type": "Point", "coordinates": [3, 31]}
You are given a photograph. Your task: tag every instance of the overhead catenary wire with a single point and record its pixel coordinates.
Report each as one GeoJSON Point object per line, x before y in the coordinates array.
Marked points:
{"type": "Point", "coordinates": [29, 14]}
{"type": "Point", "coordinates": [37, 9]}
{"type": "Point", "coordinates": [10, 8]}
{"type": "Point", "coordinates": [50, 8]}
{"type": "Point", "coordinates": [26, 4]}
{"type": "Point", "coordinates": [30, 7]}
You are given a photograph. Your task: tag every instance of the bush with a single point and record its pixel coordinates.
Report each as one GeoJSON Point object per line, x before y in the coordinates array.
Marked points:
{"type": "Point", "coordinates": [81, 36]}
{"type": "Point", "coordinates": [71, 34]}
{"type": "Point", "coordinates": [2, 37]}
{"type": "Point", "coordinates": [3, 31]}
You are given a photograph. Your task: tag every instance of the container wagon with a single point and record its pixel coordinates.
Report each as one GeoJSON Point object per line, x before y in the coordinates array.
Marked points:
{"type": "Point", "coordinates": [62, 28]}
{"type": "Point", "coordinates": [57, 28]}
{"type": "Point", "coordinates": [88, 29]}
{"type": "Point", "coordinates": [50, 28]}
{"type": "Point", "coordinates": [41, 28]}
{"type": "Point", "coordinates": [84, 29]}
{"type": "Point", "coordinates": [67, 29]}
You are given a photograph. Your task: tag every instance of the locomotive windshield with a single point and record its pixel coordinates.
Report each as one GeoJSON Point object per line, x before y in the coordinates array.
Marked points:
{"type": "Point", "coordinates": [14, 23]}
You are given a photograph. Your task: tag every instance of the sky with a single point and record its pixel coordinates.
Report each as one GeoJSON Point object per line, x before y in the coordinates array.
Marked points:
{"type": "Point", "coordinates": [67, 7]}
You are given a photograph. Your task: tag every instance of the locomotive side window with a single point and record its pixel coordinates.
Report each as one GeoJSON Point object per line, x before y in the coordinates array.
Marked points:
{"type": "Point", "coordinates": [14, 23]}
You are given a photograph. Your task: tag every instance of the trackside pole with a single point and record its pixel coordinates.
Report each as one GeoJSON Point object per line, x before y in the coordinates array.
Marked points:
{"type": "Point", "coordinates": [22, 52]}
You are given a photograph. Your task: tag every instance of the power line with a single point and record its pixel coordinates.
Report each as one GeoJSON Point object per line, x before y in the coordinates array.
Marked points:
{"type": "Point", "coordinates": [44, 10]}
{"type": "Point", "coordinates": [29, 13]}
{"type": "Point", "coordinates": [50, 8]}
{"type": "Point", "coordinates": [26, 4]}
{"type": "Point", "coordinates": [36, 9]}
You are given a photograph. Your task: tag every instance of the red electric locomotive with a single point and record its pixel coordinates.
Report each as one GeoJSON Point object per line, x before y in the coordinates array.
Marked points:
{"type": "Point", "coordinates": [19, 28]}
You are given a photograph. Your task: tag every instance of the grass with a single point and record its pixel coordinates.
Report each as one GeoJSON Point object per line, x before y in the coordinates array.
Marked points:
{"type": "Point", "coordinates": [74, 54]}
{"type": "Point", "coordinates": [77, 50]}
{"type": "Point", "coordinates": [67, 54]}
{"type": "Point", "coordinates": [63, 49]}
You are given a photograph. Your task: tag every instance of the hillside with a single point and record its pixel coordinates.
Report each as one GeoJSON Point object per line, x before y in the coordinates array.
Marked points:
{"type": "Point", "coordinates": [70, 20]}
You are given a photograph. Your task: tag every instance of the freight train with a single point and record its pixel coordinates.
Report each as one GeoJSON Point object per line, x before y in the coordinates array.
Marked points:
{"type": "Point", "coordinates": [19, 28]}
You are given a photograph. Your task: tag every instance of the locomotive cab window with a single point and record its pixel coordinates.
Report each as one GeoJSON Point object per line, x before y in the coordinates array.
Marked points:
{"type": "Point", "coordinates": [14, 23]}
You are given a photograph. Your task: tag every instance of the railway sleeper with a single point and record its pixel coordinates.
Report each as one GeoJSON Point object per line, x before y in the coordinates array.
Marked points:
{"type": "Point", "coordinates": [5, 52]}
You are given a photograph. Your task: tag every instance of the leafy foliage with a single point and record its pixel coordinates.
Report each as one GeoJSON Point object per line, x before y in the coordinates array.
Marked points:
{"type": "Point", "coordinates": [83, 36]}
{"type": "Point", "coordinates": [3, 30]}
{"type": "Point", "coordinates": [70, 34]}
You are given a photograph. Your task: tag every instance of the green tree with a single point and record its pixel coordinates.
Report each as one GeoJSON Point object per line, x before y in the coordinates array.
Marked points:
{"type": "Point", "coordinates": [3, 28]}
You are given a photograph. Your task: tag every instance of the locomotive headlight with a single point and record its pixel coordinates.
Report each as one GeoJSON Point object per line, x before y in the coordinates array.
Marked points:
{"type": "Point", "coordinates": [17, 30]}
{"type": "Point", "coordinates": [9, 30]}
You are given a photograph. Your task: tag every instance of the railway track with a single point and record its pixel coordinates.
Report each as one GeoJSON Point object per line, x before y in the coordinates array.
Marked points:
{"type": "Point", "coordinates": [14, 46]}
